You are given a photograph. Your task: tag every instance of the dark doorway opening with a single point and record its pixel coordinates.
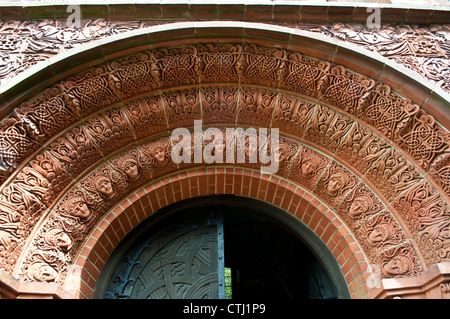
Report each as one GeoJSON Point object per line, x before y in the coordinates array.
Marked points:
{"type": "Point", "coordinates": [267, 253]}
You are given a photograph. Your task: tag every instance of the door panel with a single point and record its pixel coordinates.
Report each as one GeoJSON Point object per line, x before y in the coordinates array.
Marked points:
{"type": "Point", "coordinates": [180, 261]}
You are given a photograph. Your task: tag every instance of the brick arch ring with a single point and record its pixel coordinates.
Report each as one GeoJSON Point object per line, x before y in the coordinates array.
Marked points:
{"type": "Point", "coordinates": [337, 107]}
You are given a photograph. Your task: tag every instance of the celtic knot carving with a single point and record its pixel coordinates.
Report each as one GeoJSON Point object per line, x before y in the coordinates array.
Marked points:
{"type": "Point", "coordinates": [386, 111]}
{"type": "Point", "coordinates": [177, 66]}
{"type": "Point", "coordinates": [134, 75]}
{"type": "Point", "coordinates": [262, 66]}
{"type": "Point", "coordinates": [17, 141]}
{"type": "Point", "coordinates": [344, 89]}
{"type": "Point", "coordinates": [49, 113]}
{"type": "Point", "coordinates": [219, 63]}
{"type": "Point", "coordinates": [304, 75]}
{"type": "Point", "coordinates": [440, 173]}
{"type": "Point", "coordinates": [91, 91]}
{"type": "Point", "coordinates": [424, 140]}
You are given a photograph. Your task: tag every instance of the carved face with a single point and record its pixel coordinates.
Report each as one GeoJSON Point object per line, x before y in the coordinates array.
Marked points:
{"type": "Point", "coordinates": [60, 239]}
{"type": "Point", "coordinates": [43, 272]}
{"type": "Point", "coordinates": [251, 146]}
{"type": "Point", "coordinates": [358, 207]}
{"type": "Point", "coordinates": [308, 167]}
{"type": "Point", "coordinates": [104, 186]}
{"type": "Point", "coordinates": [77, 207]}
{"type": "Point", "coordinates": [130, 168]}
{"type": "Point", "coordinates": [159, 154]}
{"type": "Point", "coordinates": [336, 182]}
{"type": "Point", "coordinates": [398, 265]}
{"type": "Point", "coordinates": [377, 235]}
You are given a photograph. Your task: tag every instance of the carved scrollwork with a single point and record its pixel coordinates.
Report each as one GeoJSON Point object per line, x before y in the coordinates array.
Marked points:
{"type": "Point", "coordinates": [421, 206]}
{"type": "Point", "coordinates": [256, 106]}
{"type": "Point", "coordinates": [262, 66]}
{"type": "Point", "coordinates": [110, 130]}
{"type": "Point", "coordinates": [393, 174]}
{"type": "Point", "coordinates": [182, 107]}
{"type": "Point", "coordinates": [361, 148]}
{"type": "Point", "coordinates": [304, 75]}
{"type": "Point", "coordinates": [146, 116]}
{"type": "Point", "coordinates": [344, 89]}
{"type": "Point", "coordinates": [327, 128]}
{"type": "Point", "coordinates": [386, 111]}
{"type": "Point", "coordinates": [76, 150]}
{"type": "Point", "coordinates": [219, 63]}
{"type": "Point", "coordinates": [291, 115]}
{"type": "Point", "coordinates": [219, 104]}
{"type": "Point", "coordinates": [434, 243]}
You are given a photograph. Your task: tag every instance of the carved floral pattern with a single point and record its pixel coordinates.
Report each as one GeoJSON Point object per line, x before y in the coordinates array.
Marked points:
{"type": "Point", "coordinates": [219, 104]}
{"type": "Point", "coordinates": [256, 106]}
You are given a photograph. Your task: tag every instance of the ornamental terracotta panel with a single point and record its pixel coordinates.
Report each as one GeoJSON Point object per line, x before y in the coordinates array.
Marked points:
{"type": "Point", "coordinates": [76, 150]}
{"type": "Point", "coordinates": [256, 106]}
{"type": "Point", "coordinates": [92, 90]}
{"type": "Point", "coordinates": [182, 107]}
{"type": "Point", "coordinates": [398, 262]}
{"type": "Point", "coordinates": [219, 63]}
{"type": "Point", "coordinates": [219, 104]}
{"type": "Point", "coordinates": [291, 115]}
{"type": "Point", "coordinates": [146, 116]}
{"type": "Point", "coordinates": [424, 139]}
{"type": "Point", "coordinates": [345, 89]}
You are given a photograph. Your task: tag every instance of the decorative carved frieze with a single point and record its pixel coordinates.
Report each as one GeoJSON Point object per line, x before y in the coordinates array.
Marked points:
{"type": "Point", "coordinates": [308, 167]}
{"type": "Point", "coordinates": [327, 128]}
{"type": "Point", "coordinates": [424, 139]}
{"type": "Point", "coordinates": [219, 104]}
{"type": "Point", "coordinates": [398, 262]}
{"type": "Point", "coordinates": [291, 115]}
{"type": "Point", "coordinates": [303, 75]}
{"type": "Point", "coordinates": [392, 174]}
{"type": "Point", "coordinates": [256, 106]}
{"type": "Point", "coordinates": [182, 107]}
{"type": "Point", "coordinates": [219, 63]}
{"type": "Point", "coordinates": [263, 66]}
{"type": "Point", "coordinates": [386, 111]}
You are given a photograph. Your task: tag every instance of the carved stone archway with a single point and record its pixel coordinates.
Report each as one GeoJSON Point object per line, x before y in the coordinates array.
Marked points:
{"type": "Point", "coordinates": [336, 107]}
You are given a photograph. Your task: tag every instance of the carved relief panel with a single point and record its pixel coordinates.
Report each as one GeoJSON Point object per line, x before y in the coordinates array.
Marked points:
{"type": "Point", "coordinates": [303, 75]}
{"type": "Point", "coordinates": [256, 106]}
{"type": "Point", "coordinates": [344, 89]}
{"type": "Point", "coordinates": [262, 66]}
{"type": "Point", "coordinates": [308, 166]}
{"type": "Point", "coordinates": [398, 262]}
{"type": "Point", "coordinates": [219, 63]}
{"type": "Point", "coordinates": [146, 116]}
{"type": "Point", "coordinates": [182, 107]}
{"type": "Point", "coordinates": [291, 115]}
{"type": "Point", "coordinates": [334, 183]}
{"type": "Point", "coordinates": [219, 104]}
{"type": "Point", "coordinates": [157, 155]}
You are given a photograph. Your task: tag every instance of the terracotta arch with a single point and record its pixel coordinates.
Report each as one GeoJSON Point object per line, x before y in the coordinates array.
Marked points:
{"type": "Point", "coordinates": [215, 181]}
{"type": "Point", "coordinates": [124, 95]}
